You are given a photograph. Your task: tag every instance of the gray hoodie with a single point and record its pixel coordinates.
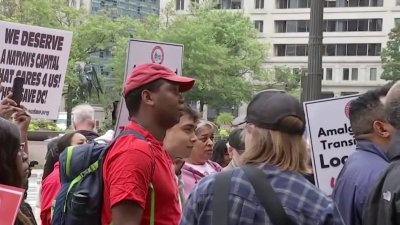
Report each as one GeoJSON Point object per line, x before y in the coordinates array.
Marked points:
{"type": "Point", "coordinates": [383, 205]}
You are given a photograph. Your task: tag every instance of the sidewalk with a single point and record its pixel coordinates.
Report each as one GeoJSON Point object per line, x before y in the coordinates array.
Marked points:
{"type": "Point", "coordinates": [34, 192]}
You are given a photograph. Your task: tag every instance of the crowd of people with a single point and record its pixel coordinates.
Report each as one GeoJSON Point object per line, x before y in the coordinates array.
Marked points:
{"type": "Point", "coordinates": [173, 171]}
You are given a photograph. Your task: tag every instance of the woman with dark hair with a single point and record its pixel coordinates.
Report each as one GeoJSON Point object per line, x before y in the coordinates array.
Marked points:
{"type": "Point", "coordinates": [220, 153]}
{"type": "Point", "coordinates": [59, 145]}
{"type": "Point", "coordinates": [14, 166]}
{"type": "Point", "coordinates": [51, 184]}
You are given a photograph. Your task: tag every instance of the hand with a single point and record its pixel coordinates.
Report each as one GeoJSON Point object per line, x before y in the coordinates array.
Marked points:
{"type": "Point", "coordinates": [22, 119]}
{"type": "Point", "coordinates": [8, 107]}
{"type": "Point", "coordinates": [178, 164]}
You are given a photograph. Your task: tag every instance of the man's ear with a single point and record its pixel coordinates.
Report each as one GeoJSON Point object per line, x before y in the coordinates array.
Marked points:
{"type": "Point", "coordinates": [148, 97]}
{"type": "Point", "coordinates": [381, 129]}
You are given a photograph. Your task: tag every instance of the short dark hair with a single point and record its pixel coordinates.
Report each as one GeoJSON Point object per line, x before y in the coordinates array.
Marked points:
{"type": "Point", "coordinates": [392, 107]}
{"type": "Point", "coordinates": [366, 109]}
{"type": "Point", "coordinates": [219, 151]}
{"type": "Point", "coordinates": [134, 98]}
{"type": "Point", "coordinates": [192, 113]}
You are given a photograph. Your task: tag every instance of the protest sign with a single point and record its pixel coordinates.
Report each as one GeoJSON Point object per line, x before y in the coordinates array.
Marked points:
{"type": "Point", "coordinates": [40, 56]}
{"type": "Point", "coordinates": [330, 137]}
{"type": "Point", "coordinates": [10, 200]}
{"type": "Point", "coordinates": [140, 52]}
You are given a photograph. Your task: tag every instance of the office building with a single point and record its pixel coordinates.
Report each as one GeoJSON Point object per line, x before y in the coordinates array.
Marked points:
{"type": "Point", "coordinates": [355, 32]}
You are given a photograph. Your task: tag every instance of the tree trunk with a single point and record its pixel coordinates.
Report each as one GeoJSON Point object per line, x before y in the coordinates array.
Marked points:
{"type": "Point", "coordinates": [201, 106]}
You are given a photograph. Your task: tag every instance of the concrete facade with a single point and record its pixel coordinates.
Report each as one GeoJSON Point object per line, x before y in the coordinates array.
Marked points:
{"type": "Point", "coordinates": [355, 33]}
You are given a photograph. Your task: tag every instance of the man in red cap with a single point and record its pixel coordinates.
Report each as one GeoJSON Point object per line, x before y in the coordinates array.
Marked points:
{"type": "Point", "coordinates": [139, 179]}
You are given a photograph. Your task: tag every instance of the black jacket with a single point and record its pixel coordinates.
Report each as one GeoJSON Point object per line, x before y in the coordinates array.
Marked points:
{"type": "Point", "coordinates": [383, 205]}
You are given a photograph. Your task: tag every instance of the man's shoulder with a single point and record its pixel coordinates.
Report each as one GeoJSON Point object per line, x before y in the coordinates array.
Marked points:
{"type": "Point", "coordinates": [363, 167]}
{"type": "Point", "coordinates": [130, 141]}
{"type": "Point", "coordinates": [128, 145]}
{"type": "Point", "coordinates": [390, 177]}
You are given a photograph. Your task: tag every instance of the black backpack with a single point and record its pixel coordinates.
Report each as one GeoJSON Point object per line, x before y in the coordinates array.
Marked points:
{"type": "Point", "coordinates": [80, 199]}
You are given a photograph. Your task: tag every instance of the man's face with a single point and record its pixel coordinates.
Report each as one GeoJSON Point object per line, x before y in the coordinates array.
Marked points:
{"type": "Point", "coordinates": [179, 139]}
{"type": "Point", "coordinates": [168, 103]}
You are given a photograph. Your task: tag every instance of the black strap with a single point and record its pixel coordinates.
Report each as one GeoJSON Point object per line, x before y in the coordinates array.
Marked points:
{"type": "Point", "coordinates": [132, 132]}
{"type": "Point", "coordinates": [123, 133]}
{"type": "Point", "coordinates": [267, 196]}
{"type": "Point", "coordinates": [221, 198]}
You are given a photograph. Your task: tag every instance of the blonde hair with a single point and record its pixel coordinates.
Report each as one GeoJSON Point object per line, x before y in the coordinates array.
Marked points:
{"type": "Point", "coordinates": [286, 151]}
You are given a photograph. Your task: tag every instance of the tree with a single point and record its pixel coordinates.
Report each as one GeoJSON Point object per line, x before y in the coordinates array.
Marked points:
{"type": "Point", "coordinates": [391, 56]}
{"type": "Point", "coordinates": [224, 119]}
{"type": "Point", "coordinates": [221, 49]}
{"type": "Point", "coordinates": [91, 34]}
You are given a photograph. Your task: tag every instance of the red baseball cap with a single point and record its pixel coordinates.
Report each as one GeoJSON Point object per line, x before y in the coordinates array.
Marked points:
{"type": "Point", "coordinates": [149, 72]}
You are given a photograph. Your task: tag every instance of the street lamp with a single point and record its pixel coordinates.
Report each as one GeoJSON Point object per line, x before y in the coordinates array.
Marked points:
{"type": "Point", "coordinates": [311, 82]}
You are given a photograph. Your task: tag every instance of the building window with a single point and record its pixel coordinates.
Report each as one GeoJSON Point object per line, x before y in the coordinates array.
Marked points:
{"type": "Point", "coordinates": [351, 49]}
{"type": "Point", "coordinates": [346, 73]}
{"type": "Point", "coordinates": [374, 49]}
{"type": "Point", "coordinates": [329, 49]}
{"type": "Point", "coordinates": [354, 74]}
{"type": "Point", "coordinates": [375, 25]}
{"type": "Point", "coordinates": [348, 93]}
{"type": "Point", "coordinates": [328, 74]}
{"type": "Point", "coordinates": [280, 26]}
{"type": "Point", "coordinates": [303, 3]}
{"type": "Point", "coordinates": [373, 73]}
{"type": "Point", "coordinates": [291, 50]}
{"type": "Point", "coordinates": [301, 50]}
{"type": "Point", "coordinates": [280, 50]}
{"type": "Point", "coordinates": [285, 4]}
{"type": "Point", "coordinates": [353, 25]}
{"type": "Point", "coordinates": [291, 26]}
{"type": "Point", "coordinates": [259, 25]}
{"type": "Point", "coordinates": [330, 3]}
{"type": "Point", "coordinates": [362, 49]}
{"type": "Point", "coordinates": [180, 4]}
{"type": "Point", "coordinates": [341, 50]}
{"type": "Point", "coordinates": [259, 4]}
{"type": "Point", "coordinates": [302, 26]}
{"type": "Point", "coordinates": [341, 25]}
{"type": "Point", "coordinates": [362, 25]}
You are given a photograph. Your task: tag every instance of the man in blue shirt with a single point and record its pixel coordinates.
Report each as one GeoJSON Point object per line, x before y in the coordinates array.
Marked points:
{"type": "Point", "coordinates": [363, 167]}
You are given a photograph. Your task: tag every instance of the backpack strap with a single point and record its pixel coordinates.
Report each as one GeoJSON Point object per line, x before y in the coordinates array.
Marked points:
{"type": "Point", "coordinates": [267, 196]}
{"type": "Point", "coordinates": [123, 133]}
{"type": "Point", "coordinates": [221, 198]}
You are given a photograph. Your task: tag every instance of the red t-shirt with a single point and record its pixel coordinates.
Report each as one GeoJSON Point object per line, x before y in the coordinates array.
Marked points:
{"type": "Point", "coordinates": [50, 188]}
{"type": "Point", "coordinates": [127, 173]}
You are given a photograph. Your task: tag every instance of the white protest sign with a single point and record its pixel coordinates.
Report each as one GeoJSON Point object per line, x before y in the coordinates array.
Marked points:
{"type": "Point", "coordinates": [331, 138]}
{"type": "Point", "coordinates": [40, 56]}
{"type": "Point", "coordinates": [140, 52]}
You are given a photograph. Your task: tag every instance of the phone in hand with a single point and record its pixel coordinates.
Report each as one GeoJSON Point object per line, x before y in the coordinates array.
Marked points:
{"type": "Point", "coordinates": [17, 90]}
